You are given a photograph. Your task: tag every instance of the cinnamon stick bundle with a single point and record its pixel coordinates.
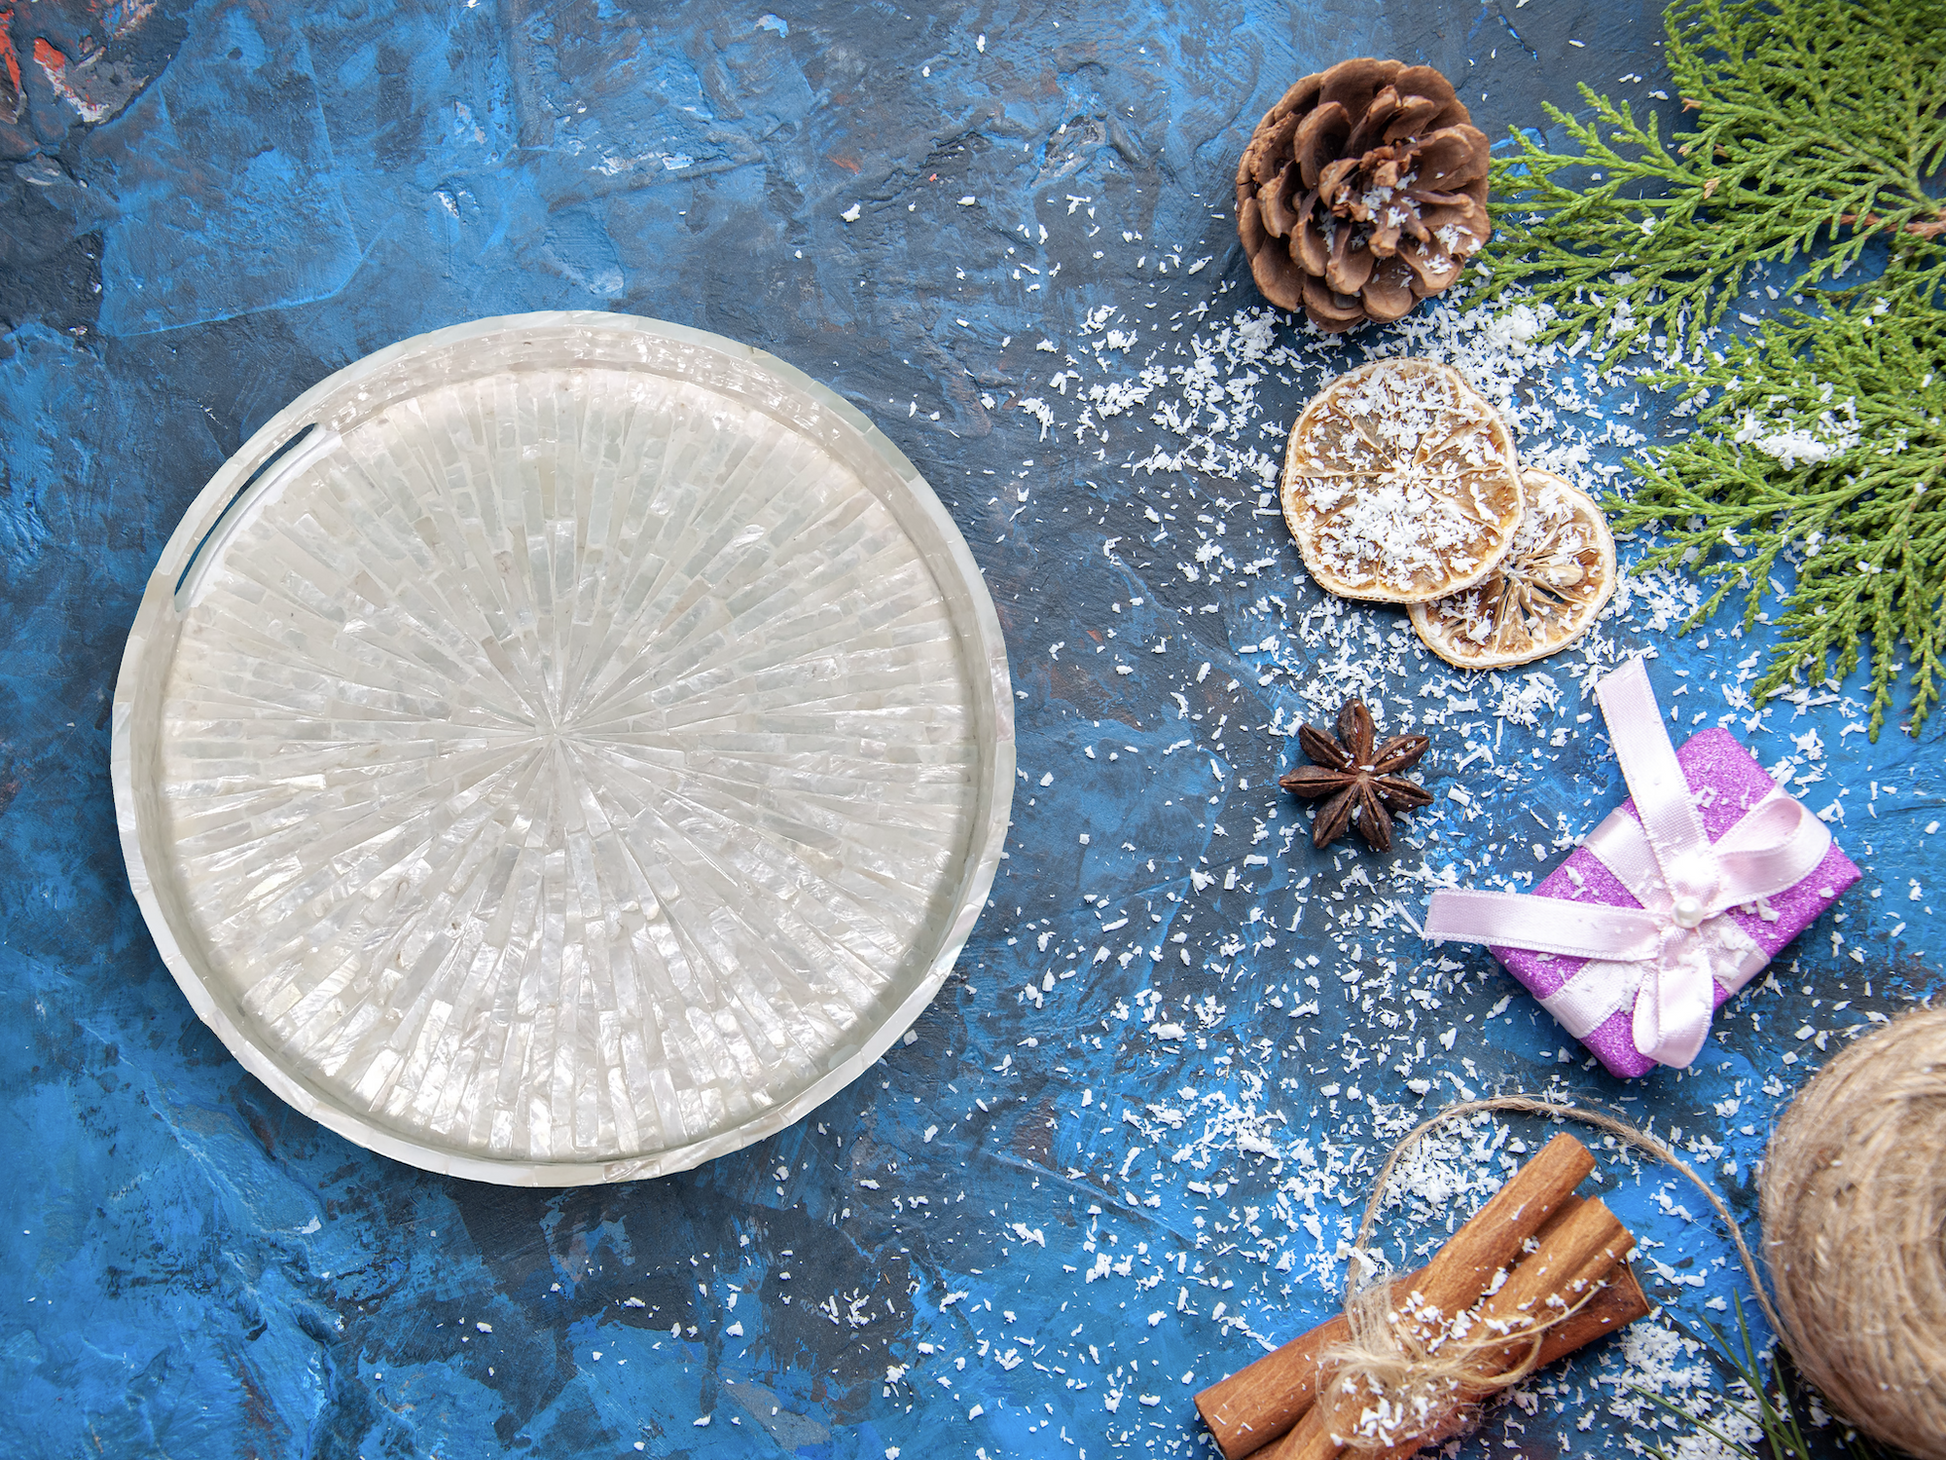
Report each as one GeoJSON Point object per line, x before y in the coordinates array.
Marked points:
{"type": "Point", "coordinates": [1556, 1251]}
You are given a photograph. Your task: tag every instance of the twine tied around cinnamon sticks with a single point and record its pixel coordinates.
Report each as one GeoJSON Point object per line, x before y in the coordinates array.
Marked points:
{"type": "Point", "coordinates": [1536, 1274]}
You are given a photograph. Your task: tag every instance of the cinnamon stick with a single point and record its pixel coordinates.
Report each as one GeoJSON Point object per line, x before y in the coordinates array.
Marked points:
{"type": "Point", "coordinates": [1309, 1440]}
{"type": "Point", "coordinates": [1571, 1257]}
{"type": "Point", "coordinates": [1260, 1402]}
{"type": "Point", "coordinates": [1257, 1404]}
{"type": "Point", "coordinates": [1572, 1253]}
{"type": "Point", "coordinates": [1619, 1303]}
{"type": "Point", "coordinates": [1308, 1436]}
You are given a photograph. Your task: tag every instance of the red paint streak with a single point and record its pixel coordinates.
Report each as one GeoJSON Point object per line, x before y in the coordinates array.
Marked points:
{"type": "Point", "coordinates": [52, 61]}
{"type": "Point", "coordinates": [848, 161]}
{"type": "Point", "coordinates": [55, 64]}
{"type": "Point", "coordinates": [9, 68]}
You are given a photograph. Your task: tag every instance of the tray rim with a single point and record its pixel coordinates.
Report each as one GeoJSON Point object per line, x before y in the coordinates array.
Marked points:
{"type": "Point", "coordinates": [983, 649]}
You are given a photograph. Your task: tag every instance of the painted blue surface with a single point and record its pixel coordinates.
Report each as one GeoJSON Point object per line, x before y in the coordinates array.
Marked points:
{"type": "Point", "coordinates": [189, 1269]}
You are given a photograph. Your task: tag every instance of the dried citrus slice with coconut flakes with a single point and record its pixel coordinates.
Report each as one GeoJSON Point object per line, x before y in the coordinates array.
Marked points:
{"type": "Point", "coordinates": [1401, 484]}
{"type": "Point", "coordinates": [1544, 594]}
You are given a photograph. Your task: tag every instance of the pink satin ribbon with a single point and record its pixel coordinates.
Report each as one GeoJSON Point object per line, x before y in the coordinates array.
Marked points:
{"type": "Point", "coordinates": [1666, 957]}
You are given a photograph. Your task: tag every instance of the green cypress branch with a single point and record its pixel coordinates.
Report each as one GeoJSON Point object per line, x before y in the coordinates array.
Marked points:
{"type": "Point", "coordinates": [1819, 449]}
{"type": "Point", "coordinates": [1819, 124]}
{"type": "Point", "coordinates": [1769, 1398]}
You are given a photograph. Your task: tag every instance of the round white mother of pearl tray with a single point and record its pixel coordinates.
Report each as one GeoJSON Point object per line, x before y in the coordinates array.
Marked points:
{"type": "Point", "coordinates": [578, 754]}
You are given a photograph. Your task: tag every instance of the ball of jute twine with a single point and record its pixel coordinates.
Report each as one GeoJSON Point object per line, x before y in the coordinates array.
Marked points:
{"type": "Point", "coordinates": [1853, 1203]}
{"type": "Point", "coordinates": [1384, 1368]}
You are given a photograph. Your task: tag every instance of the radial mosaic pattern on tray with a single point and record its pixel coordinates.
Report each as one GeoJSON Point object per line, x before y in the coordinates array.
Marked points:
{"type": "Point", "coordinates": [568, 803]}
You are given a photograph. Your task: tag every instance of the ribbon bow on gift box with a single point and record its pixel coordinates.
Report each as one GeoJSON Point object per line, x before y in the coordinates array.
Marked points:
{"type": "Point", "coordinates": [1665, 957]}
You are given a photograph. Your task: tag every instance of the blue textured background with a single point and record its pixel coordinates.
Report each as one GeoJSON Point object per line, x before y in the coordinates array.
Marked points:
{"type": "Point", "coordinates": [206, 208]}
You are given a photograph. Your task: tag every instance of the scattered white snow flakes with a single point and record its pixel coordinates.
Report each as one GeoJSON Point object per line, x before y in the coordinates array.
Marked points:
{"type": "Point", "coordinates": [1214, 1035]}
{"type": "Point", "coordinates": [1835, 432]}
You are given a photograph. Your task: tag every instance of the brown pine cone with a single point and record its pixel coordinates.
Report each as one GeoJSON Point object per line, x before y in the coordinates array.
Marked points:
{"type": "Point", "coordinates": [1362, 192]}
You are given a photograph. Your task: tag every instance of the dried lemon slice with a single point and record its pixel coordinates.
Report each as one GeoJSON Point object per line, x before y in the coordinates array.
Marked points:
{"type": "Point", "coordinates": [1401, 484]}
{"type": "Point", "coordinates": [1543, 595]}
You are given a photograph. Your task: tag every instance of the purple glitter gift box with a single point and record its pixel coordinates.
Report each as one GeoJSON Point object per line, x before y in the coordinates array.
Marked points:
{"type": "Point", "coordinates": [1711, 761]}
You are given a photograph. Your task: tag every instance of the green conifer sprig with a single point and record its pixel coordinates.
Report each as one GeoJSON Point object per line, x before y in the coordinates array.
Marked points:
{"type": "Point", "coordinates": [1864, 527]}
{"type": "Point", "coordinates": [1817, 465]}
{"type": "Point", "coordinates": [1767, 1397]}
{"type": "Point", "coordinates": [1818, 126]}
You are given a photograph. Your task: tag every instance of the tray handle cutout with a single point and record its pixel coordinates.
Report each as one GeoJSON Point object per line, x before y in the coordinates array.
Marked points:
{"type": "Point", "coordinates": [260, 486]}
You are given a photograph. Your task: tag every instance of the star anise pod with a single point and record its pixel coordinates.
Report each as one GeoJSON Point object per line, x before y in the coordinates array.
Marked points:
{"type": "Point", "coordinates": [1361, 778]}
